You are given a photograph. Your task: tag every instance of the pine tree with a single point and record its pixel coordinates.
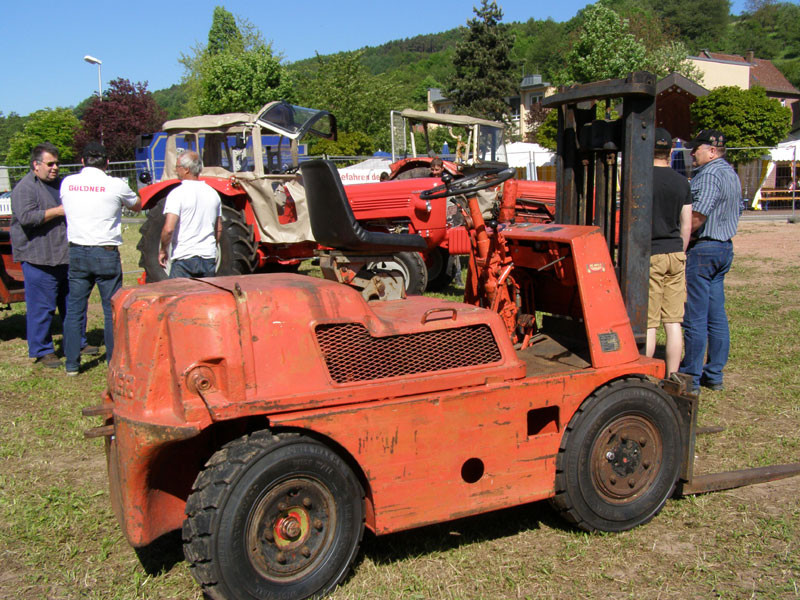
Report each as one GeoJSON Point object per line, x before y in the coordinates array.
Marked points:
{"type": "Point", "coordinates": [482, 62]}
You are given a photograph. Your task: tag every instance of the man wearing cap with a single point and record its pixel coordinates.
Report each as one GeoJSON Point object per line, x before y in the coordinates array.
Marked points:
{"type": "Point", "coordinates": [93, 203]}
{"type": "Point", "coordinates": [39, 241]}
{"type": "Point", "coordinates": [716, 200]}
{"type": "Point", "coordinates": [672, 223]}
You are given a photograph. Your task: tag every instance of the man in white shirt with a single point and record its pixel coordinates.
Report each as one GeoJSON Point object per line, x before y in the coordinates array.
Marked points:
{"type": "Point", "coordinates": [192, 224]}
{"type": "Point", "coordinates": [93, 203]}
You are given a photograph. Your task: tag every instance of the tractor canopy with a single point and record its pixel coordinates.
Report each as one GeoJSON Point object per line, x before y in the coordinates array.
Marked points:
{"type": "Point", "coordinates": [478, 142]}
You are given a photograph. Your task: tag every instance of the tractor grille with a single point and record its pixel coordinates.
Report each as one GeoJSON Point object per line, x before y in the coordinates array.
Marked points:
{"type": "Point", "coordinates": [352, 354]}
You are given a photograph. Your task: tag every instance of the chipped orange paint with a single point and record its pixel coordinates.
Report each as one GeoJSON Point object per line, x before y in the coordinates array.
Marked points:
{"type": "Point", "coordinates": [200, 362]}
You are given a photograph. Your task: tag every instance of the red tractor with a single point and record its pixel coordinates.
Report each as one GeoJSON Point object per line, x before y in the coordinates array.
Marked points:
{"type": "Point", "coordinates": [273, 417]}
{"type": "Point", "coordinates": [266, 221]}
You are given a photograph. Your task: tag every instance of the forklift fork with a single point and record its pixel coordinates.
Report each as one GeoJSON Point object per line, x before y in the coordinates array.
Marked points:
{"type": "Point", "coordinates": [689, 484]}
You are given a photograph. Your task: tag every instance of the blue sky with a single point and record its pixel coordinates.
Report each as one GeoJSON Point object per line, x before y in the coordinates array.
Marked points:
{"type": "Point", "coordinates": [43, 42]}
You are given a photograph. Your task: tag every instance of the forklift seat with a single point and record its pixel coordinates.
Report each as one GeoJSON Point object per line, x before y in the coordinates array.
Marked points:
{"type": "Point", "coordinates": [333, 222]}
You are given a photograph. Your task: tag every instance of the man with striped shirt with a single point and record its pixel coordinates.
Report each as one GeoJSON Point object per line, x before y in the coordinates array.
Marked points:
{"type": "Point", "coordinates": [716, 203]}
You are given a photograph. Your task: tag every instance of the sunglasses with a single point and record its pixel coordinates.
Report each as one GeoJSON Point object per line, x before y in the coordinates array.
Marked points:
{"type": "Point", "coordinates": [52, 163]}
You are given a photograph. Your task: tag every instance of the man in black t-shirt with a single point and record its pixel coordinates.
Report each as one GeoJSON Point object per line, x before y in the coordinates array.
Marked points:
{"type": "Point", "coordinates": [672, 225]}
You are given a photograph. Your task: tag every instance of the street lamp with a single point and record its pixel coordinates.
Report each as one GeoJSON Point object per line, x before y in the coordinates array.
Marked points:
{"type": "Point", "coordinates": [96, 61]}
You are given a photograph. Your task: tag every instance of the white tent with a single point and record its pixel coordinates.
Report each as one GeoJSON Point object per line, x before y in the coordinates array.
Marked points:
{"type": "Point", "coordinates": [530, 156]}
{"type": "Point", "coordinates": [786, 151]}
{"type": "Point", "coordinates": [783, 152]}
{"type": "Point", "coordinates": [368, 171]}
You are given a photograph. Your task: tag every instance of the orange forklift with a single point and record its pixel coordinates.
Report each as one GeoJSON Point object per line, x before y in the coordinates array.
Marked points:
{"type": "Point", "coordinates": [273, 417]}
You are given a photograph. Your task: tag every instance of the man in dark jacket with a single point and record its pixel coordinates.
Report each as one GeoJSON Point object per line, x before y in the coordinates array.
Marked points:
{"type": "Point", "coordinates": [39, 242]}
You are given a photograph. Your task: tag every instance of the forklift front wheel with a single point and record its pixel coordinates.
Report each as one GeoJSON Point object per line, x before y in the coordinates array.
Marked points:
{"type": "Point", "coordinates": [273, 516]}
{"type": "Point", "coordinates": [619, 458]}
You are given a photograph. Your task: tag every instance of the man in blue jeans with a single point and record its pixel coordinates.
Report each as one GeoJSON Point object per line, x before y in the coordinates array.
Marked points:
{"type": "Point", "coordinates": [39, 241]}
{"type": "Point", "coordinates": [192, 222]}
{"type": "Point", "coordinates": [716, 200]}
{"type": "Point", "coordinates": [93, 204]}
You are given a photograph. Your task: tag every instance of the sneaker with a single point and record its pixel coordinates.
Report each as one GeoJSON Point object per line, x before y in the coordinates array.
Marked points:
{"type": "Point", "coordinates": [91, 350]}
{"type": "Point", "coordinates": [71, 373]}
{"type": "Point", "coordinates": [51, 361]}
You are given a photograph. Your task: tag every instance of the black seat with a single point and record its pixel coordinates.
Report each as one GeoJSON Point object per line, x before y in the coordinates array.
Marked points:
{"type": "Point", "coordinates": [332, 219]}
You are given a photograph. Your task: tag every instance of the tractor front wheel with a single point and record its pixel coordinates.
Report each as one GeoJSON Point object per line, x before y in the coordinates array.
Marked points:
{"type": "Point", "coordinates": [620, 457]}
{"type": "Point", "coordinates": [411, 265]}
{"type": "Point", "coordinates": [273, 516]}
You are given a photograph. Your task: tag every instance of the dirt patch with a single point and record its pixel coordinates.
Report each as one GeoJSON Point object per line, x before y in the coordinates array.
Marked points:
{"type": "Point", "coordinates": [768, 246]}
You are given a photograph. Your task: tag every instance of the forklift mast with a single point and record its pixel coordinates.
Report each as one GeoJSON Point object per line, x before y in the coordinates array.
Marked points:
{"type": "Point", "coordinates": [604, 175]}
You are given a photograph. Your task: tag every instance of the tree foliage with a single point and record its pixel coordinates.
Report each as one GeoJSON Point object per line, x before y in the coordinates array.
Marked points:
{"type": "Point", "coordinates": [236, 71]}
{"type": "Point", "coordinates": [342, 85]}
{"type": "Point", "coordinates": [748, 118]}
{"type": "Point", "coordinates": [224, 35]}
{"type": "Point", "coordinates": [57, 126]}
{"type": "Point", "coordinates": [698, 25]}
{"type": "Point", "coordinates": [9, 125]}
{"type": "Point", "coordinates": [241, 82]}
{"type": "Point", "coordinates": [607, 49]}
{"type": "Point", "coordinates": [346, 144]}
{"type": "Point", "coordinates": [482, 63]}
{"type": "Point", "coordinates": [534, 120]}
{"type": "Point", "coordinates": [126, 110]}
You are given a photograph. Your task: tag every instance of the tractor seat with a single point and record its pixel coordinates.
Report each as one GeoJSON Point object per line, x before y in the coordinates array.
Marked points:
{"type": "Point", "coordinates": [333, 222]}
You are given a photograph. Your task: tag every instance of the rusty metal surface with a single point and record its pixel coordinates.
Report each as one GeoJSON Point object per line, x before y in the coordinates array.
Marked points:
{"type": "Point", "coordinates": [586, 176]}
{"type": "Point", "coordinates": [702, 484]}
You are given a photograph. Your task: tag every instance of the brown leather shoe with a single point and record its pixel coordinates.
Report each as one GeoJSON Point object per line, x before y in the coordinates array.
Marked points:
{"type": "Point", "coordinates": [51, 361]}
{"type": "Point", "coordinates": [90, 350]}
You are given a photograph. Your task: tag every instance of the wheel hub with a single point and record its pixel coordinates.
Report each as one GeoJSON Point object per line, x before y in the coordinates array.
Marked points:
{"type": "Point", "coordinates": [290, 529]}
{"type": "Point", "coordinates": [626, 457]}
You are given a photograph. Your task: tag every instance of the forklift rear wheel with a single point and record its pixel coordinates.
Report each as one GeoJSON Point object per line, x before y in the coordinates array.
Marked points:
{"type": "Point", "coordinates": [619, 458]}
{"type": "Point", "coordinates": [236, 250]}
{"type": "Point", "coordinates": [411, 265]}
{"type": "Point", "coordinates": [273, 516]}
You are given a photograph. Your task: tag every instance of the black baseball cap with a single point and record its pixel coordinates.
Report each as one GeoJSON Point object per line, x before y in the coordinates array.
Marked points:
{"type": "Point", "coordinates": [663, 139]}
{"type": "Point", "coordinates": [94, 150]}
{"type": "Point", "coordinates": [712, 137]}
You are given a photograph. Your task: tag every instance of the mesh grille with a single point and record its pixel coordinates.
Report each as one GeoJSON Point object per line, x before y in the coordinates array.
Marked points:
{"type": "Point", "coordinates": [351, 354]}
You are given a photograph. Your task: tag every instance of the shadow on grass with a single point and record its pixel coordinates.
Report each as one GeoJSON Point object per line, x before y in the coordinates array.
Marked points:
{"type": "Point", "coordinates": [447, 536]}
{"type": "Point", "coordinates": [162, 554]}
{"type": "Point", "coordinates": [12, 327]}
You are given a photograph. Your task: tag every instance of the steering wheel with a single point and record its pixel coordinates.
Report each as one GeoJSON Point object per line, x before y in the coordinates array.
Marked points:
{"type": "Point", "coordinates": [469, 184]}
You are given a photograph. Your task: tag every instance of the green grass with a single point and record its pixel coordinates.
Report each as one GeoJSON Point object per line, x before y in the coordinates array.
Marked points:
{"type": "Point", "coordinates": [59, 538]}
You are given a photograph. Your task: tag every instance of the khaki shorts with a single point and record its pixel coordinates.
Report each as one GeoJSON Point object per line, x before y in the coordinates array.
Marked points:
{"type": "Point", "coordinates": [667, 289]}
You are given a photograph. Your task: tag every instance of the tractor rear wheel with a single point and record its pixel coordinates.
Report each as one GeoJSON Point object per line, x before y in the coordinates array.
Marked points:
{"type": "Point", "coordinates": [411, 265]}
{"type": "Point", "coordinates": [273, 516]}
{"type": "Point", "coordinates": [620, 457]}
{"type": "Point", "coordinates": [236, 250]}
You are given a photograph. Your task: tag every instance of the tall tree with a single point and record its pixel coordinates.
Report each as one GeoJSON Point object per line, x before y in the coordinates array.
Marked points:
{"type": "Point", "coordinates": [235, 71]}
{"type": "Point", "coordinates": [242, 82]}
{"type": "Point", "coordinates": [607, 49]}
{"type": "Point", "coordinates": [57, 126]}
{"type": "Point", "coordinates": [483, 70]}
{"type": "Point", "coordinates": [747, 117]}
{"type": "Point", "coordinates": [125, 111]}
{"type": "Point", "coordinates": [224, 35]}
